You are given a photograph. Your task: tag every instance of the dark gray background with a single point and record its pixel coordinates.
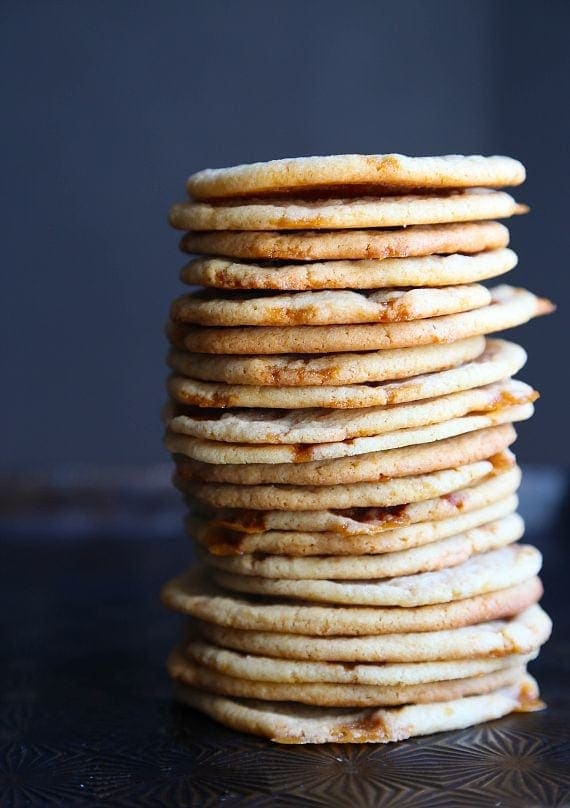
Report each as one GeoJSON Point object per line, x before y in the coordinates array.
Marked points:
{"type": "Point", "coordinates": [107, 106]}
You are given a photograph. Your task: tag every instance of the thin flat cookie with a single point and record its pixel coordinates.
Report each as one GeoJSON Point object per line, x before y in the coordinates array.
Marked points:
{"type": "Point", "coordinates": [387, 172]}
{"type": "Point", "coordinates": [499, 361]}
{"type": "Point", "coordinates": [272, 669]}
{"type": "Point", "coordinates": [300, 724]}
{"type": "Point", "coordinates": [322, 425]}
{"type": "Point", "coordinates": [487, 572]}
{"type": "Point", "coordinates": [222, 541]}
{"type": "Point", "coordinates": [322, 694]}
{"type": "Point", "coordinates": [428, 271]}
{"type": "Point", "coordinates": [503, 479]}
{"type": "Point", "coordinates": [330, 369]}
{"type": "Point", "coordinates": [194, 593]}
{"type": "Point", "coordinates": [520, 633]}
{"type": "Point", "coordinates": [437, 555]}
{"type": "Point", "coordinates": [212, 451]}
{"type": "Point", "coordinates": [398, 491]}
{"type": "Point", "coordinates": [331, 307]}
{"type": "Point", "coordinates": [510, 307]}
{"type": "Point", "coordinates": [349, 213]}
{"type": "Point", "coordinates": [371, 467]}
{"type": "Point", "coordinates": [320, 245]}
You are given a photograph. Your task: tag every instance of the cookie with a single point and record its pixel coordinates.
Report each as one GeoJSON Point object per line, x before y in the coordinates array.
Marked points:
{"type": "Point", "coordinates": [272, 669]}
{"type": "Point", "coordinates": [323, 694]}
{"type": "Point", "coordinates": [387, 172]}
{"type": "Point", "coordinates": [325, 307]}
{"type": "Point", "coordinates": [329, 369]}
{"type": "Point", "coordinates": [389, 492]}
{"type": "Point", "coordinates": [487, 572]}
{"type": "Point", "coordinates": [502, 480]}
{"type": "Point", "coordinates": [345, 213]}
{"type": "Point", "coordinates": [310, 425]}
{"type": "Point", "coordinates": [211, 451]}
{"type": "Point", "coordinates": [244, 618]}
{"type": "Point", "coordinates": [428, 271]}
{"type": "Point", "coordinates": [298, 724]}
{"type": "Point", "coordinates": [222, 541]}
{"type": "Point", "coordinates": [420, 240]}
{"type": "Point", "coordinates": [371, 467]}
{"type": "Point", "coordinates": [497, 639]}
{"type": "Point", "coordinates": [510, 307]}
{"type": "Point", "coordinates": [499, 361]}
{"type": "Point", "coordinates": [437, 555]}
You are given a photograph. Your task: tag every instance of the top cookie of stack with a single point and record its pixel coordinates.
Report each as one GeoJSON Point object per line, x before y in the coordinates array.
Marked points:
{"type": "Point", "coordinates": [335, 403]}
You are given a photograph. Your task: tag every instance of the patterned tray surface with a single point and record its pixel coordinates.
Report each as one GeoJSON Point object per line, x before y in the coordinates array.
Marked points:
{"type": "Point", "coordinates": [86, 716]}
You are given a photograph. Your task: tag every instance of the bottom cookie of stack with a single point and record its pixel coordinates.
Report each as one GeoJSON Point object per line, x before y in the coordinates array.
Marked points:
{"type": "Point", "coordinates": [296, 724]}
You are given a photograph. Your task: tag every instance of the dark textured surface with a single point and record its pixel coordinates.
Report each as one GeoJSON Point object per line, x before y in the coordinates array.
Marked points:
{"type": "Point", "coordinates": [86, 715]}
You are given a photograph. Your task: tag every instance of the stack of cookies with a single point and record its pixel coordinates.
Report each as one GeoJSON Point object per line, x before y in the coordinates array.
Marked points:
{"type": "Point", "coordinates": [341, 426]}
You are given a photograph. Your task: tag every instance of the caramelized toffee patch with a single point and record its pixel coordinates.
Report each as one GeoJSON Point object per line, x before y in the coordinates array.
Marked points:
{"type": "Point", "coordinates": [392, 515]}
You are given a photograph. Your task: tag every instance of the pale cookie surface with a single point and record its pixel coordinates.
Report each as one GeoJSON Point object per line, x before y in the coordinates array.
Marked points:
{"type": "Point", "coordinates": [331, 425]}
{"type": "Point", "coordinates": [503, 480]}
{"type": "Point", "coordinates": [330, 369]}
{"type": "Point", "coordinates": [371, 467]}
{"type": "Point", "coordinates": [476, 375]}
{"type": "Point", "coordinates": [487, 572]}
{"type": "Point", "coordinates": [324, 694]}
{"type": "Point", "coordinates": [419, 240]}
{"type": "Point", "coordinates": [298, 724]}
{"type": "Point", "coordinates": [223, 541]}
{"type": "Point", "coordinates": [272, 669]}
{"type": "Point", "coordinates": [193, 593]}
{"type": "Point", "coordinates": [355, 213]}
{"type": "Point", "coordinates": [437, 555]}
{"type": "Point", "coordinates": [326, 307]}
{"type": "Point", "coordinates": [499, 361]}
{"type": "Point", "coordinates": [510, 307]}
{"type": "Point", "coordinates": [431, 270]}
{"type": "Point", "coordinates": [521, 634]}
{"type": "Point", "coordinates": [399, 491]}
{"type": "Point", "coordinates": [378, 171]}
{"type": "Point", "coordinates": [211, 451]}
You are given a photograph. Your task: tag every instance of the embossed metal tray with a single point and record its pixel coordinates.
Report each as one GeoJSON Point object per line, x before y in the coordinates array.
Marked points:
{"type": "Point", "coordinates": [86, 716]}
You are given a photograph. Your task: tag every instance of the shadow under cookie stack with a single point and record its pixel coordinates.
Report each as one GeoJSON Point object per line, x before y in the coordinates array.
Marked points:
{"type": "Point", "coordinates": [341, 423]}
